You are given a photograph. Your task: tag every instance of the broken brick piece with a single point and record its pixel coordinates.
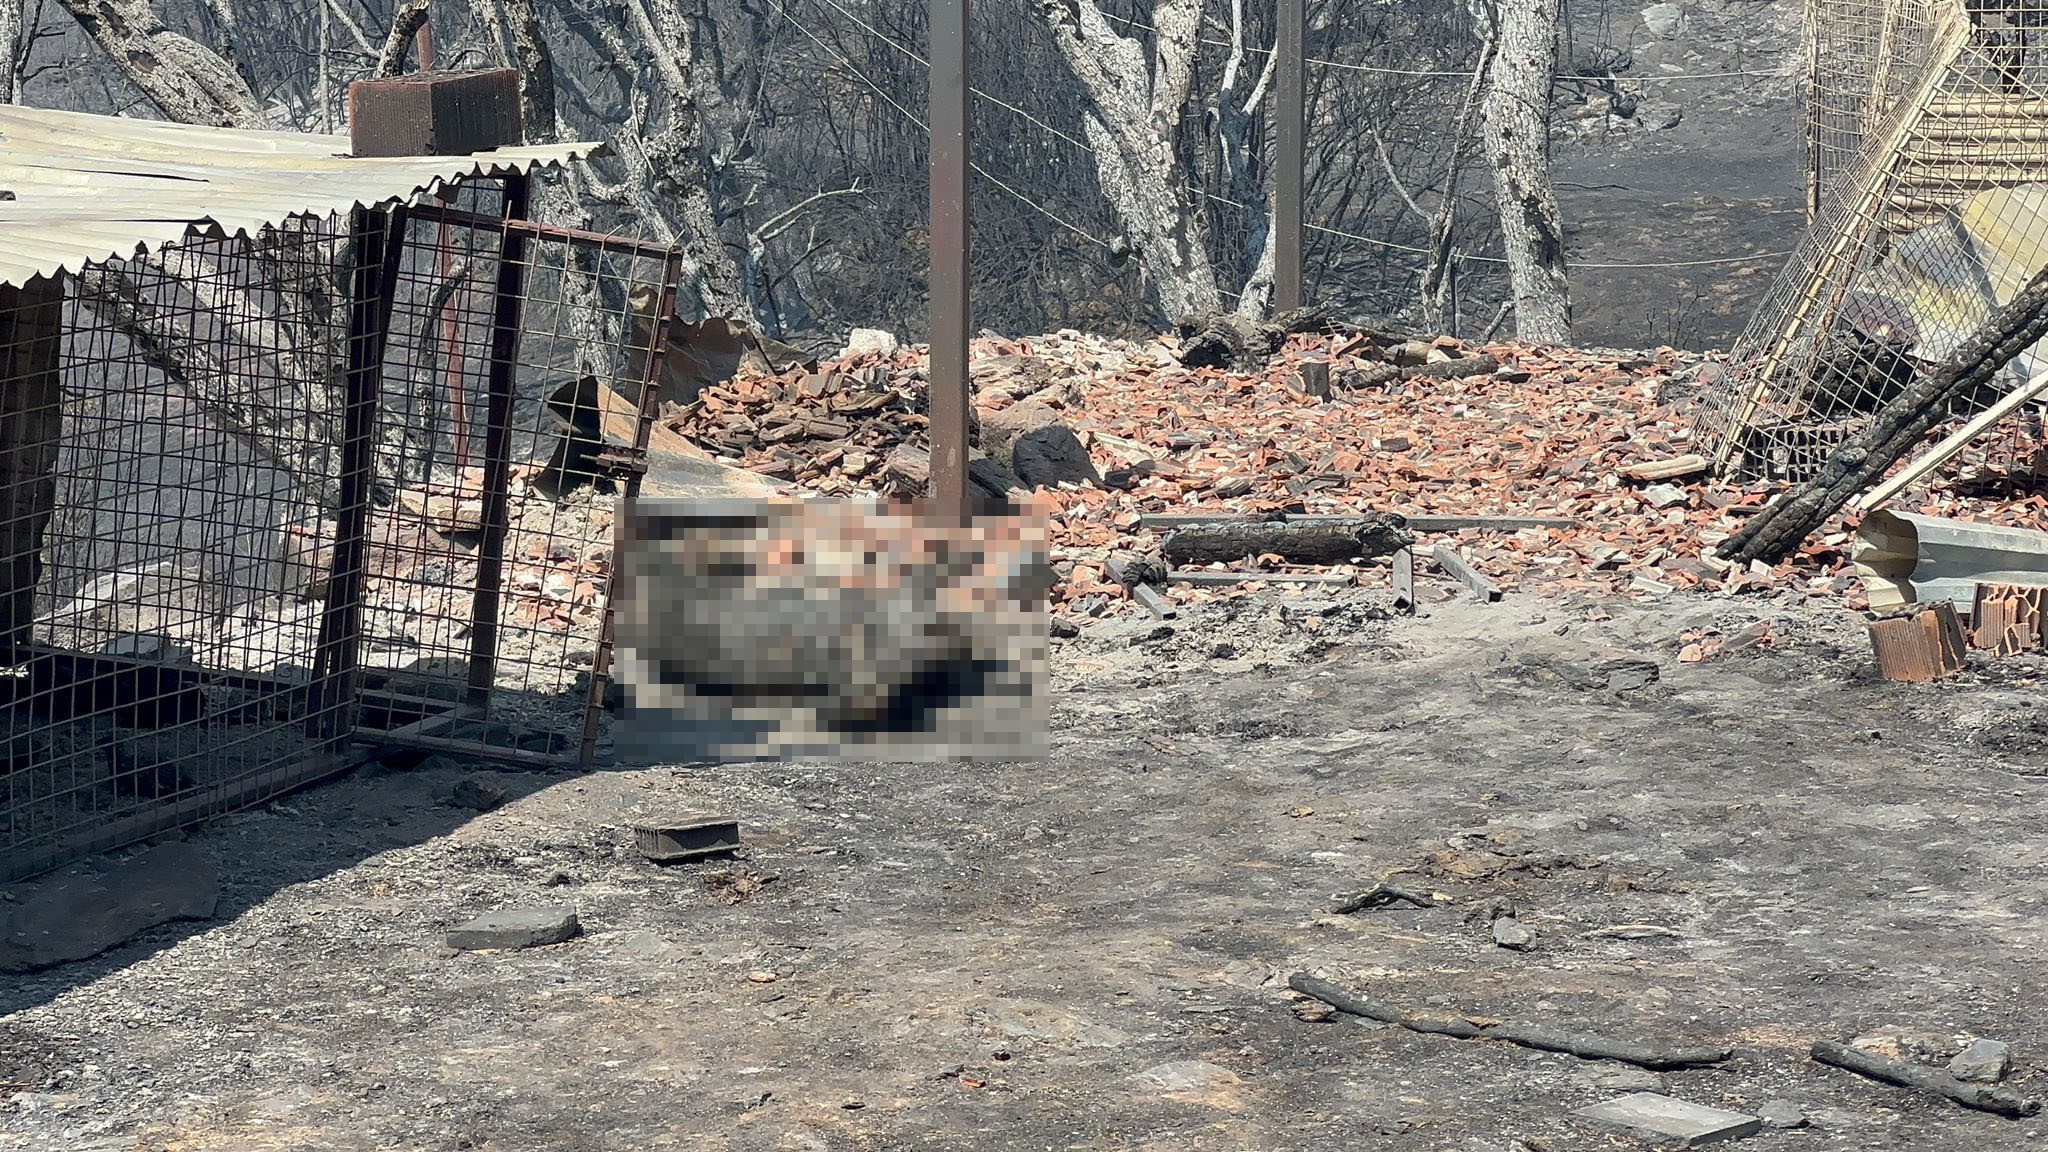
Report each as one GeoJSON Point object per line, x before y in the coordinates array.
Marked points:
{"type": "Point", "coordinates": [2006, 619]}
{"type": "Point", "coordinates": [1919, 646]}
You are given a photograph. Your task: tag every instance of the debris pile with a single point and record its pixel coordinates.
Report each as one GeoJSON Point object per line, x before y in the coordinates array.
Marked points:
{"type": "Point", "coordinates": [1585, 441]}
{"type": "Point", "coordinates": [1547, 469]}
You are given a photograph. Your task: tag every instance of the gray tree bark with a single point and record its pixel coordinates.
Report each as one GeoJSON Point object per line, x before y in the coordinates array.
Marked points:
{"type": "Point", "coordinates": [1517, 131]}
{"type": "Point", "coordinates": [10, 49]}
{"type": "Point", "coordinates": [406, 23]}
{"type": "Point", "coordinates": [186, 80]}
{"type": "Point", "coordinates": [1442, 230]}
{"type": "Point", "coordinates": [1133, 122]}
{"type": "Point", "coordinates": [1233, 115]}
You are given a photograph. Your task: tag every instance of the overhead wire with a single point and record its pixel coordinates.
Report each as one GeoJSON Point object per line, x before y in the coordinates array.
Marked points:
{"type": "Point", "coordinates": [914, 118]}
{"type": "Point", "coordinates": [988, 96]}
{"type": "Point", "coordinates": [1311, 226]}
{"type": "Point", "coordinates": [1463, 75]}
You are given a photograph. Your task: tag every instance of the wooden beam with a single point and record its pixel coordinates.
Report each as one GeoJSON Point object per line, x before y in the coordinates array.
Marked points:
{"type": "Point", "coordinates": [1213, 579]}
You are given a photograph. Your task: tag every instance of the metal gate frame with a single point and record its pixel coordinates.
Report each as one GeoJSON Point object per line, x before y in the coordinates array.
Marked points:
{"type": "Point", "coordinates": [622, 464]}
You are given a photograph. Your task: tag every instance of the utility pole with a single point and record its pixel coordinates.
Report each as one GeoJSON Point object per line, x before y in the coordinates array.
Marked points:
{"type": "Point", "coordinates": [1290, 145]}
{"type": "Point", "coordinates": [949, 313]}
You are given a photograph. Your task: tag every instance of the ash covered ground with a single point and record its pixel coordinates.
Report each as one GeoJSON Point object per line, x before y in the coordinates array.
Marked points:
{"type": "Point", "coordinates": [1762, 848]}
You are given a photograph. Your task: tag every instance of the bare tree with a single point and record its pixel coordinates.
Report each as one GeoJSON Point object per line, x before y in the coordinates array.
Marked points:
{"type": "Point", "coordinates": [186, 80]}
{"type": "Point", "coordinates": [10, 48]}
{"type": "Point", "coordinates": [1133, 118]}
{"type": "Point", "coordinates": [1234, 119]}
{"type": "Point", "coordinates": [1517, 115]}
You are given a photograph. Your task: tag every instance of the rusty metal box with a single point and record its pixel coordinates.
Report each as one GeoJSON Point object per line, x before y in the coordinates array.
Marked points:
{"type": "Point", "coordinates": [435, 114]}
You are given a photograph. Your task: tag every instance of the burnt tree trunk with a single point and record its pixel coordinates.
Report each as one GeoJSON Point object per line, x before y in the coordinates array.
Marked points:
{"type": "Point", "coordinates": [189, 82]}
{"type": "Point", "coordinates": [1777, 531]}
{"type": "Point", "coordinates": [10, 48]}
{"type": "Point", "coordinates": [1517, 114]}
{"type": "Point", "coordinates": [1132, 120]}
{"type": "Point", "coordinates": [1317, 543]}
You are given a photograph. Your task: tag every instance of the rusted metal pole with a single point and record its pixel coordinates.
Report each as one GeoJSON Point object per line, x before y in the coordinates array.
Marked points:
{"type": "Point", "coordinates": [650, 407]}
{"type": "Point", "coordinates": [507, 307]}
{"type": "Point", "coordinates": [949, 312]}
{"type": "Point", "coordinates": [379, 246]}
{"type": "Point", "coordinates": [1290, 147]}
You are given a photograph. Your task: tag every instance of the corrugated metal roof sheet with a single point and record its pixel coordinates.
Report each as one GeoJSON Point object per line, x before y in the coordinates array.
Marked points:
{"type": "Point", "coordinates": [91, 188]}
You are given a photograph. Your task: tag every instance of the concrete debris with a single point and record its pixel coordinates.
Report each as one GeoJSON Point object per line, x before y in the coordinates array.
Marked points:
{"type": "Point", "coordinates": [1032, 441]}
{"type": "Point", "coordinates": [1782, 1114]}
{"type": "Point", "coordinates": [1662, 496]}
{"type": "Point", "coordinates": [80, 913]}
{"type": "Point", "coordinates": [871, 342]}
{"type": "Point", "coordinates": [1512, 934]}
{"type": "Point", "coordinates": [1985, 1062]}
{"type": "Point", "coordinates": [1656, 1117]}
{"type": "Point", "coordinates": [1690, 464]}
{"type": "Point", "coordinates": [516, 928]}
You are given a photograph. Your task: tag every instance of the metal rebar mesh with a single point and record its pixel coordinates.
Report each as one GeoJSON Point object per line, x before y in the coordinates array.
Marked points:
{"type": "Point", "coordinates": [1928, 140]}
{"type": "Point", "coordinates": [485, 614]}
{"type": "Point", "coordinates": [158, 463]}
{"type": "Point", "coordinates": [267, 498]}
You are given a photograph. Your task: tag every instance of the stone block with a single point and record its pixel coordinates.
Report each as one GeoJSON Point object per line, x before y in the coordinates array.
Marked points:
{"type": "Point", "coordinates": [516, 928]}
{"type": "Point", "coordinates": [1656, 1117]}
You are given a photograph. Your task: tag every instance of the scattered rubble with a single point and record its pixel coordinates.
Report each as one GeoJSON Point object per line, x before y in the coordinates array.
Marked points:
{"type": "Point", "coordinates": [1566, 441]}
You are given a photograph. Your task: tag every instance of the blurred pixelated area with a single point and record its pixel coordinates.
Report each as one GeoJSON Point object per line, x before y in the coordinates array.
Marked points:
{"type": "Point", "coordinates": [776, 629]}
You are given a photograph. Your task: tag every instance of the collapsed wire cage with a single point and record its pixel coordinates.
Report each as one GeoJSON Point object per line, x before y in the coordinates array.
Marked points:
{"type": "Point", "coordinates": [1927, 148]}
{"type": "Point", "coordinates": [273, 500]}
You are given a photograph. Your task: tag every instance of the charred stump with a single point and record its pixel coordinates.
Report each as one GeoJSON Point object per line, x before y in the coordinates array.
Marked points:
{"type": "Point", "coordinates": [1777, 531]}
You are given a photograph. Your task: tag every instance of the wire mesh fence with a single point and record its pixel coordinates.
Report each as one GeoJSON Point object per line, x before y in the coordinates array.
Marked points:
{"type": "Point", "coordinates": [178, 416]}
{"type": "Point", "coordinates": [519, 376]}
{"type": "Point", "coordinates": [269, 499]}
{"type": "Point", "coordinates": [1927, 127]}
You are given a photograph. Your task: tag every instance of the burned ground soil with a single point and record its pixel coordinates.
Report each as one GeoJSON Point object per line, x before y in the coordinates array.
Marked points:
{"type": "Point", "coordinates": [1761, 848]}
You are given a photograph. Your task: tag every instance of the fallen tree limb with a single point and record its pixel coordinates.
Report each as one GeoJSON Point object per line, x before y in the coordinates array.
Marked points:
{"type": "Point", "coordinates": [1324, 543]}
{"type": "Point", "coordinates": [1381, 895]}
{"type": "Point", "coordinates": [1526, 1036]}
{"type": "Point", "coordinates": [1992, 1098]}
{"type": "Point", "coordinates": [1777, 531]}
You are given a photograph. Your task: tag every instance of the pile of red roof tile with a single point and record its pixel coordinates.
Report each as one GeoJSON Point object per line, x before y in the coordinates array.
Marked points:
{"type": "Point", "coordinates": [1552, 432]}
